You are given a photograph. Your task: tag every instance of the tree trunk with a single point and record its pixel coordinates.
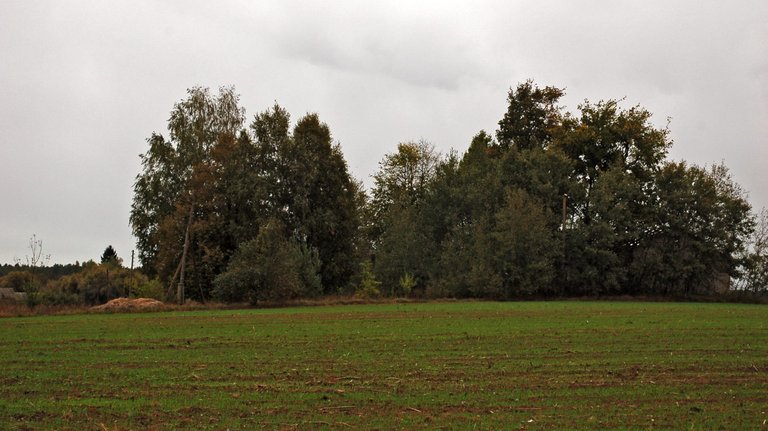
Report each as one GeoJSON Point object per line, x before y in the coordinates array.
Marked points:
{"type": "Point", "coordinates": [180, 290]}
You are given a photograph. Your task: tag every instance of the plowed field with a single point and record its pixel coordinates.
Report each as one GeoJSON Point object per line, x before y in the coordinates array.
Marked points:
{"type": "Point", "coordinates": [462, 365]}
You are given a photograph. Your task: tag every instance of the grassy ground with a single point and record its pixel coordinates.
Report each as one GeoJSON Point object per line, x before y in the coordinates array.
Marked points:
{"type": "Point", "coordinates": [466, 365]}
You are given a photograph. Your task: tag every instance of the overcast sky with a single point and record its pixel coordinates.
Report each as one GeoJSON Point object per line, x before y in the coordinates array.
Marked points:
{"type": "Point", "coordinates": [84, 83]}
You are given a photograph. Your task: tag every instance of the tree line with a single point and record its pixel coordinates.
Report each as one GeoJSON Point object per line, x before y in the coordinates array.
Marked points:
{"type": "Point", "coordinates": [553, 203]}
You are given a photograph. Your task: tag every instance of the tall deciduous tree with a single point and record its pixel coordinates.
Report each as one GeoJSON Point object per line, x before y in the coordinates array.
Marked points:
{"type": "Point", "coordinates": [465, 196]}
{"type": "Point", "coordinates": [402, 250]}
{"type": "Point", "coordinates": [402, 181]}
{"type": "Point", "coordinates": [163, 191]}
{"type": "Point", "coordinates": [322, 200]}
{"type": "Point", "coordinates": [403, 176]}
{"type": "Point", "coordinates": [704, 223]}
{"type": "Point", "coordinates": [400, 243]}
{"type": "Point", "coordinates": [606, 137]}
{"type": "Point", "coordinates": [532, 117]}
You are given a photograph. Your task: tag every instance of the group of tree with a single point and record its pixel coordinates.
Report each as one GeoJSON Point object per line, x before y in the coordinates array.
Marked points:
{"type": "Point", "coordinates": [562, 204]}
{"type": "Point", "coordinates": [552, 204]}
{"type": "Point", "coordinates": [262, 211]}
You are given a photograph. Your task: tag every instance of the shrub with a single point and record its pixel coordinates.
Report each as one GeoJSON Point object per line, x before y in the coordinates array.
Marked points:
{"type": "Point", "coordinates": [101, 283]}
{"type": "Point", "coordinates": [270, 267]}
{"type": "Point", "coordinates": [31, 296]}
{"type": "Point", "coordinates": [18, 280]}
{"type": "Point", "coordinates": [58, 297]}
{"type": "Point", "coordinates": [407, 283]}
{"type": "Point", "coordinates": [147, 288]}
{"type": "Point", "coordinates": [369, 286]}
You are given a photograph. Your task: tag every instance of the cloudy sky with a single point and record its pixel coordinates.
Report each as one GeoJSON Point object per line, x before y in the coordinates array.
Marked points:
{"type": "Point", "coordinates": [84, 83]}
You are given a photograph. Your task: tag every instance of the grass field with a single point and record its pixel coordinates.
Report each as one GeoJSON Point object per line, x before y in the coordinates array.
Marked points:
{"type": "Point", "coordinates": [463, 365]}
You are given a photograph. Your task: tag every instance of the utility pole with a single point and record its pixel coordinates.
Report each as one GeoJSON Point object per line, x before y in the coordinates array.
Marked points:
{"type": "Point", "coordinates": [132, 274]}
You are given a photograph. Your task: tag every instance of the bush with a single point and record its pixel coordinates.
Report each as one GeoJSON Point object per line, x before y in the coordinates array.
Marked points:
{"type": "Point", "coordinates": [93, 284]}
{"type": "Point", "coordinates": [18, 280]}
{"type": "Point", "coordinates": [58, 297]}
{"type": "Point", "coordinates": [270, 267]}
{"type": "Point", "coordinates": [100, 283]}
{"type": "Point", "coordinates": [369, 286]}
{"type": "Point", "coordinates": [31, 298]}
{"type": "Point", "coordinates": [146, 288]}
{"type": "Point", "coordinates": [407, 283]}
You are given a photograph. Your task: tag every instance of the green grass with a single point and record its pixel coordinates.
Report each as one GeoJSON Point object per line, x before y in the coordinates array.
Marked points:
{"type": "Point", "coordinates": [464, 365]}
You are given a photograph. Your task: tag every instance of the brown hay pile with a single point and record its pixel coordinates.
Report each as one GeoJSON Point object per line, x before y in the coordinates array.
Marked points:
{"type": "Point", "coordinates": [130, 304]}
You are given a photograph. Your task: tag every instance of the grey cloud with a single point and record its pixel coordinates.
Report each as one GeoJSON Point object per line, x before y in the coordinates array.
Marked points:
{"type": "Point", "coordinates": [83, 84]}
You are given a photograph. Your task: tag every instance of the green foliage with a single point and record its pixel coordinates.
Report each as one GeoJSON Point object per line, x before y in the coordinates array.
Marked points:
{"type": "Point", "coordinates": [407, 283]}
{"type": "Point", "coordinates": [58, 297]}
{"type": "Point", "coordinates": [18, 280]}
{"type": "Point", "coordinates": [98, 284]}
{"type": "Point", "coordinates": [545, 175]}
{"type": "Point", "coordinates": [31, 295]}
{"type": "Point", "coordinates": [148, 288]}
{"type": "Point", "coordinates": [510, 254]}
{"type": "Point", "coordinates": [453, 274]}
{"type": "Point", "coordinates": [271, 267]}
{"type": "Point", "coordinates": [64, 290]}
{"type": "Point", "coordinates": [523, 248]}
{"type": "Point", "coordinates": [556, 204]}
{"type": "Point", "coordinates": [369, 287]}
{"type": "Point", "coordinates": [110, 256]}
{"type": "Point", "coordinates": [492, 223]}
{"type": "Point", "coordinates": [234, 180]}
{"type": "Point", "coordinates": [703, 224]}
{"type": "Point", "coordinates": [403, 181]}
{"type": "Point", "coordinates": [403, 176]}
{"type": "Point", "coordinates": [322, 201]}
{"type": "Point", "coordinates": [94, 284]}
{"type": "Point", "coordinates": [176, 175]}
{"type": "Point", "coordinates": [402, 249]}
{"type": "Point", "coordinates": [606, 137]}
{"type": "Point", "coordinates": [590, 264]}
{"type": "Point", "coordinates": [532, 117]}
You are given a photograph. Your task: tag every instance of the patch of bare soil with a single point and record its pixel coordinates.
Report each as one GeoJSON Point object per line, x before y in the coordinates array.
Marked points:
{"type": "Point", "coordinates": [130, 304]}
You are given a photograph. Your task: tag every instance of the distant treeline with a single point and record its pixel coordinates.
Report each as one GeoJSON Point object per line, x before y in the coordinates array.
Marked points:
{"type": "Point", "coordinates": [44, 272]}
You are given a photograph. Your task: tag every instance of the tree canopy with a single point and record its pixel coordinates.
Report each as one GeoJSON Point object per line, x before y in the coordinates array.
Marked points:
{"type": "Point", "coordinates": [222, 182]}
{"type": "Point", "coordinates": [552, 203]}
{"type": "Point", "coordinates": [110, 256]}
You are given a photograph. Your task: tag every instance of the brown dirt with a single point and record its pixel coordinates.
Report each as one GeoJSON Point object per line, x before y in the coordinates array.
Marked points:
{"type": "Point", "coordinates": [130, 304]}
